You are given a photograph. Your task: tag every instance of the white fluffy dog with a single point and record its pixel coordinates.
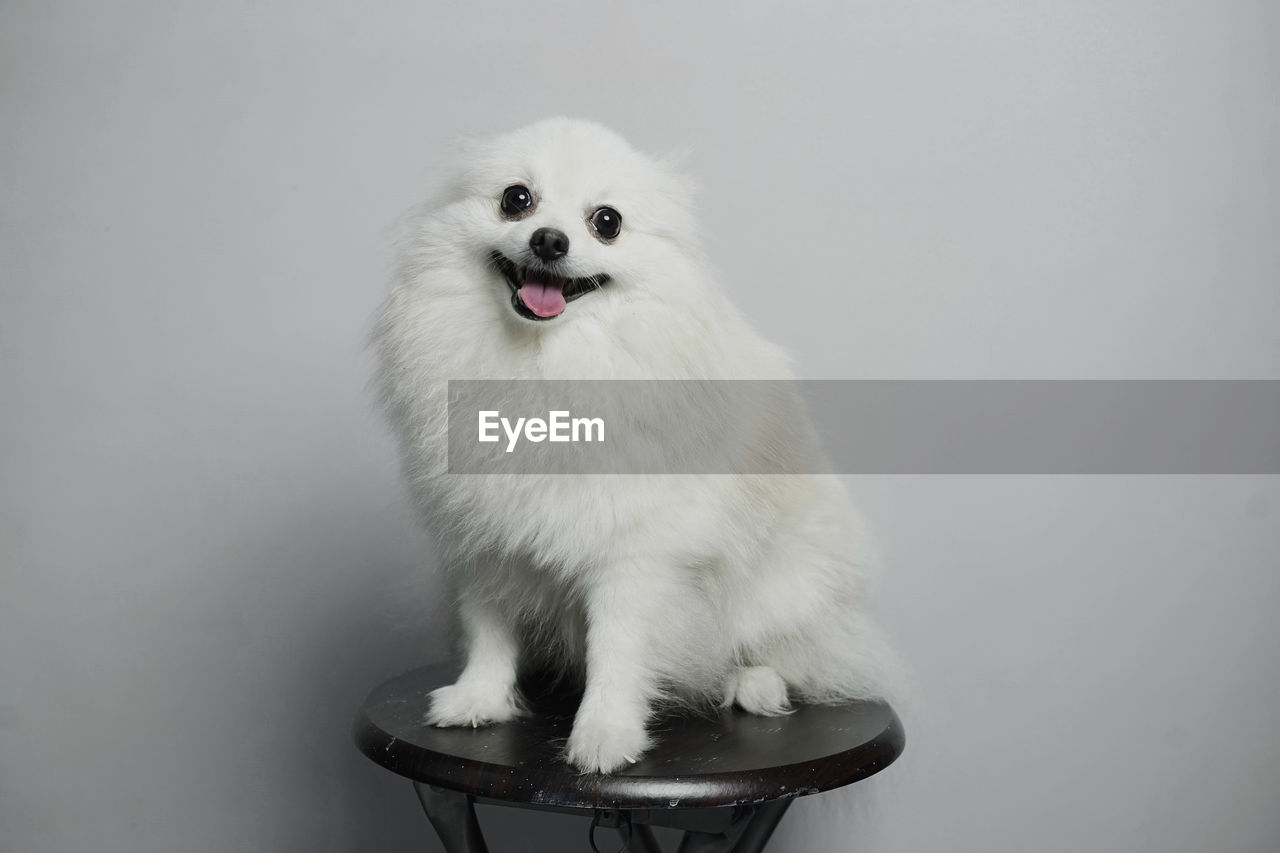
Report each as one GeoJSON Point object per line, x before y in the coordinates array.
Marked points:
{"type": "Point", "coordinates": [559, 252]}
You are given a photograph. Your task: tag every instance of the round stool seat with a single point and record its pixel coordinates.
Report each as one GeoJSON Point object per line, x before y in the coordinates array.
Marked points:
{"type": "Point", "coordinates": [727, 759]}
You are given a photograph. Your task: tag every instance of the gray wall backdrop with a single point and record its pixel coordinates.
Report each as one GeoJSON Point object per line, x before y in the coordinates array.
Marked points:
{"type": "Point", "coordinates": [205, 554]}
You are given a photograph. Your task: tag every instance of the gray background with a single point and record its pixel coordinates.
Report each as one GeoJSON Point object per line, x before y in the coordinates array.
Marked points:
{"type": "Point", "coordinates": [205, 554]}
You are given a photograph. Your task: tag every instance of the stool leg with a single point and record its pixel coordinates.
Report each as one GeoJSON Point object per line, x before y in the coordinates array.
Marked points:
{"type": "Point", "coordinates": [707, 842]}
{"type": "Point", "coordinates": [642, 840]}
{"type": "Point", "coordinates": [749, 834]}
{"type": "Point", "coordinates": [760, 826]}
{"type": "Point", "coordinates": [454, 818]}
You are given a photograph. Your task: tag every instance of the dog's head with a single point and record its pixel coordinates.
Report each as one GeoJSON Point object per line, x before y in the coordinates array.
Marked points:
{"type": "Point", "coordinates": [559, 218]}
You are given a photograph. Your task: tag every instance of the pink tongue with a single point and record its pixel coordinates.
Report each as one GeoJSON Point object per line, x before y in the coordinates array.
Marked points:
{"type": "Point", "coordinates": [545, 300]}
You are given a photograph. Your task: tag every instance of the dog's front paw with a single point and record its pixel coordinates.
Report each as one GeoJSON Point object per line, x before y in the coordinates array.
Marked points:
{"type": "Point", "coordinates": [602, 746]}
{"type": "Point", "coordinates": [757, 690]}
{"type": "Point", "coordinates": [476, 703]}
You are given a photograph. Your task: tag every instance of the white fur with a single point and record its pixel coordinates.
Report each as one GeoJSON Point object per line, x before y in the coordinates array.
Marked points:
{"type": "Point", "coordinates": [702, 589]}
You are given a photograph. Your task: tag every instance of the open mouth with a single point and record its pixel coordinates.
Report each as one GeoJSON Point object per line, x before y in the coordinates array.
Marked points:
{"type": "Point", "coordinates": [538, 293]}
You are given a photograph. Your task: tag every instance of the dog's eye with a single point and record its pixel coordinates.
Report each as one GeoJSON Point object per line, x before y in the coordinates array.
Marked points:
{"type": "Point", "coordinates": [607, 222]}
{"type": "Point", "coordinates": [517, 200]}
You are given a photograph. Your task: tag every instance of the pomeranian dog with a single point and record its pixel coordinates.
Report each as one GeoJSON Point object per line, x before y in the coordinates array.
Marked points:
{"type": "Point", "coordinates": [557, 251]}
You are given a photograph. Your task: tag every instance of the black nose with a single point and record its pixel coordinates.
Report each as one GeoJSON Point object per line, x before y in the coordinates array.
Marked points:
{"type": "Point", "coordinates": [549, 243]}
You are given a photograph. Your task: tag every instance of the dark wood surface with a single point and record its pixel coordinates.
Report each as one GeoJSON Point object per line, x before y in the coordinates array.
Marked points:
{"type": "Point", "coordinates": [734, 758]}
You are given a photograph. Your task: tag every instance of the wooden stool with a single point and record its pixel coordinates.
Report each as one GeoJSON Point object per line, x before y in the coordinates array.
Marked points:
{"type": "Point", "coordinates": [726, 780]}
